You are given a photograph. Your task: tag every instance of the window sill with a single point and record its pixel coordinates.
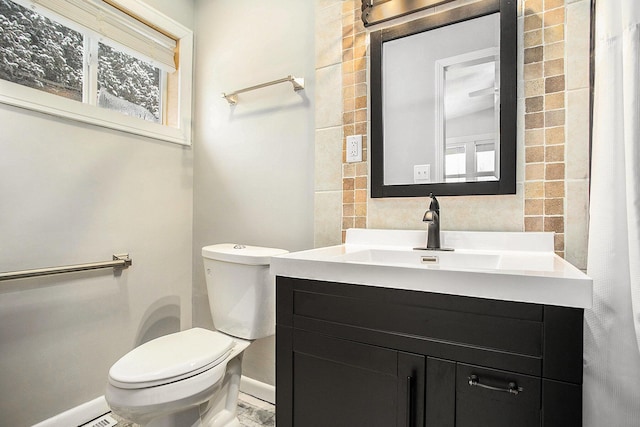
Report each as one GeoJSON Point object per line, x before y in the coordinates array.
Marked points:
{"type": "Point", "coordinates": [36, 100]}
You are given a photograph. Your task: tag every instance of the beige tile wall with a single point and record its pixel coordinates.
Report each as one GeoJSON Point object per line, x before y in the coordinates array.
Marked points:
{"type": "Point", "coordinates": [544, 119]}
{"type": "Point", "coordinates": [355, 176]}
{"type": "Point", "coordinates": [552, 165]}
{"type": "Point", "coordinates": [328, 121]}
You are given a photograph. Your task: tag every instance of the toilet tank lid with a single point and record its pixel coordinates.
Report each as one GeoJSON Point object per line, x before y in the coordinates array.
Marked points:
{"type": "Point", "coordinates": [241, 254]}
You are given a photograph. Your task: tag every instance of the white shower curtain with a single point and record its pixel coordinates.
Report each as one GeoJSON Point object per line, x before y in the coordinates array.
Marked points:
{"type": "Point", "coordinates": [612, 327]}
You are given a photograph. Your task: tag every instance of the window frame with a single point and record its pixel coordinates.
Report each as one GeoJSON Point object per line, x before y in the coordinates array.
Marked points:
{"type": "Point", "coordinates": [469, 145]}
{"type": "Point", "coordinates": [33, 99]}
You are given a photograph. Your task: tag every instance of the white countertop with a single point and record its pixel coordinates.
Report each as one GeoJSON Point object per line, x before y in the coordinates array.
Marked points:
{"type": "Point", "coordinates": [496, 265]}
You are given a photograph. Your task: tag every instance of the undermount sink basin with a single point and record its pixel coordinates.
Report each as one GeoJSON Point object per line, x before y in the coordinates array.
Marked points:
{"type": "Point", "coordinates": [508, 266]}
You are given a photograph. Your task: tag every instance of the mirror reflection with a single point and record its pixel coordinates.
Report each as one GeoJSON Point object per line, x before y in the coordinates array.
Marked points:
{"type": "Point", "coordinates": [469, 128]}
{"type": "Point", "coordinates": [442, 104]}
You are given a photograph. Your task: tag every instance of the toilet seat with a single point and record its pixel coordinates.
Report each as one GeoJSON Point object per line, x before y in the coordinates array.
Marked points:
{"type": "Point", "coordinates": [171, 358]}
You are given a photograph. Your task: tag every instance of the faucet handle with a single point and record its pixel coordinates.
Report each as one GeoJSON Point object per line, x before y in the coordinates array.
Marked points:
{"type": "Point", "coordinates": [430, 216]}
{"type": "Point", "coordinates": [433, 204]}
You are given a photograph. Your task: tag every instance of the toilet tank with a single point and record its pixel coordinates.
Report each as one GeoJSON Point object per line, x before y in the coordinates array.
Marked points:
{"type": "Point", "coordinates": [241, 289]}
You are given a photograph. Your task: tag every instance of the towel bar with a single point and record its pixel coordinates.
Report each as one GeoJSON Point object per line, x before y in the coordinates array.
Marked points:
{"type": "Point", "coordinates": [298, 84]}
{"type": "Point", "coordinates": [120, 261]}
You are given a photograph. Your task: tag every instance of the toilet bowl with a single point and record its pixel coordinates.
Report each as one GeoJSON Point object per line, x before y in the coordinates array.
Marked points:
{"type": "Point", "coordinates": [192, 378]}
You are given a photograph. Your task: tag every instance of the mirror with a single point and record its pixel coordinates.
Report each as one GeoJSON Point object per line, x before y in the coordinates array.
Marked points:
{"type": "Point", "coordinates": [443, 103]}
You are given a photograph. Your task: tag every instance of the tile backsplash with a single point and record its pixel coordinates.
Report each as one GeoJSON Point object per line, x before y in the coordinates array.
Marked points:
{"type": "Point", "coordinates": [553, 132]}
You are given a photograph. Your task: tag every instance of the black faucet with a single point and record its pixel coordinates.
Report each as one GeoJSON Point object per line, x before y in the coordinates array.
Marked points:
{"type": "Point", "coordinates": [432, 217]}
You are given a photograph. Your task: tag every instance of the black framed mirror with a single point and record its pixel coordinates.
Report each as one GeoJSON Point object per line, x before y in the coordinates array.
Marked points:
{"type": "Point", "coordinates": [443, 103]}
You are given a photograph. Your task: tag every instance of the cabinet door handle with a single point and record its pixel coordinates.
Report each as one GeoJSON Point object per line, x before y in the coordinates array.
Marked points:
{"type": "Point", "coordinates": [409, 399]}
{"type": "Point", "coordinates": [511, 388]}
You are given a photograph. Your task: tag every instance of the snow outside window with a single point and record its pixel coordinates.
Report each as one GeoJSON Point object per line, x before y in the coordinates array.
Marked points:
{"type": "Point", "coordinates": [51, 62]}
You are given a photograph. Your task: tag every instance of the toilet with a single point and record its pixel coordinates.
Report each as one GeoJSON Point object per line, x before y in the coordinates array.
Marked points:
{"type": "Point", "coordinates": [192, 378]}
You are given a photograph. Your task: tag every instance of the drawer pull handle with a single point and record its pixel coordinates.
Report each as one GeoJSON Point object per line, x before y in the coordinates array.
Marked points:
{"type": "Point", "coordinates": [511, 388]}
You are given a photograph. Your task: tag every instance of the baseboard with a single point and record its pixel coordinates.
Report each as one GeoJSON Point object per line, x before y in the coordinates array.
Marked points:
{"type": "Point", "coordinates": [255, 388]}
{"type": "Point", "coordinates": [79, 415]}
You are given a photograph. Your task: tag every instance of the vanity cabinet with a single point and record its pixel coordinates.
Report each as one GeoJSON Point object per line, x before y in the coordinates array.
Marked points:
{"type": "Point", "coordinates": [354, 355]}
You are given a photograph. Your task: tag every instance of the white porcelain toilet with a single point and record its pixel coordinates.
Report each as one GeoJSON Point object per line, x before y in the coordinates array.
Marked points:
{"type": "Point", "coordinates": [192, 378]}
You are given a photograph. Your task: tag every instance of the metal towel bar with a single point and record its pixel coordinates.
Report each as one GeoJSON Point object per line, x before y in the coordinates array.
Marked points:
{"type": "Point", "coordinates": [120, 261]}
{"type": "Point", "coordinates": [298, 84]}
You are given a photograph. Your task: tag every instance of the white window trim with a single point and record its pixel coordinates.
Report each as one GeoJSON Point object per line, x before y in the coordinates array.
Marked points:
{"type": "Point", "coordinates": [36, 100]}
{"type": "Point", "coordinates": [470, 144]}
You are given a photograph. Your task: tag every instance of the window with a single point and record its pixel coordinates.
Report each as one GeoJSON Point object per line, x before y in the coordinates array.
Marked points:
{"type": "Point", "coordinates": [129, 85]}
{"type": "Point", "coordinates": [39, 53]}
{"type": "Point", "coordinates": [89, 61]}
{"type": "Point", "coordinates": [470, 158]}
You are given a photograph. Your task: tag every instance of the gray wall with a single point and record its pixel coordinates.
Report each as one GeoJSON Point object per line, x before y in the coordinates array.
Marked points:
{"type": "Point", "coordinates": [253, 162]}
{"type": "Point", "coordinates": [74, 193]}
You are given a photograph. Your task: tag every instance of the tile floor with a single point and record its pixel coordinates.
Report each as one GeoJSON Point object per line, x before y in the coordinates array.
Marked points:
{"type": "Point", "coordinates": [252, 412]}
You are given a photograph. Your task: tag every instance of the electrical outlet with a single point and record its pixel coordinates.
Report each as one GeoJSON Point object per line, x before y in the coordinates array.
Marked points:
{"type": "Point", "coordinates": [354, 148]}
{"type": "Point", "coordinates": [421, 174]}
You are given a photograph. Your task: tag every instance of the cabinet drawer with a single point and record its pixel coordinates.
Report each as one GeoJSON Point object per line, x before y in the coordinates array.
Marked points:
{"type": "Point", "coordinates": [493, 398]}
{"type": "Point", "coordinates": [531, 339]}
{"type": "Point", "coordinates": [496, 325]}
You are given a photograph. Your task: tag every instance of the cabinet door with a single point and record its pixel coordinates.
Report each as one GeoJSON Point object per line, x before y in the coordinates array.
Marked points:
{"type": "Point", "coordinates": [441, 393]}
{"type": "Point", "coordinates": [343, 383]}
{"type": "Point", "coordinates": [492, 398]}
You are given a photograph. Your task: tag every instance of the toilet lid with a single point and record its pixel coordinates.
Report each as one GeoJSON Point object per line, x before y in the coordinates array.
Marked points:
{"type": "Point", "coordinates": [171, 358]}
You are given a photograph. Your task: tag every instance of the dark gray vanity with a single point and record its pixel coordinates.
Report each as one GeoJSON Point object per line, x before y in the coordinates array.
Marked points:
{"type": "Point", "coordinates": [349, 353]}
{"type": "Point", "coordinates": [373, 333]}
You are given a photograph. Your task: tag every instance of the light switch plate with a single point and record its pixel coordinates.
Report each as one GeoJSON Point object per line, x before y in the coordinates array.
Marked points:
{"type": "Point", "coordinates": [421, 174]}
